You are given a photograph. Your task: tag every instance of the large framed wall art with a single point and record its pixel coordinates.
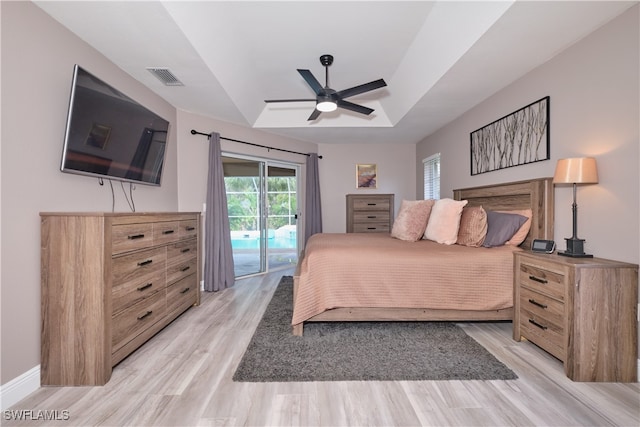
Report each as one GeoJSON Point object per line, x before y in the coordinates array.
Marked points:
{"type": "Point", "coordinates": [516, 139]}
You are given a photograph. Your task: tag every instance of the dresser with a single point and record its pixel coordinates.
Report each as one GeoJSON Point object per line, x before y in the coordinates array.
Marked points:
{"type": "Point", "coordinates": [369, 213]}
{"type": "Point", "coordinates": [109, 282]}
{"type": "Point", "coordinates": [581, 310]}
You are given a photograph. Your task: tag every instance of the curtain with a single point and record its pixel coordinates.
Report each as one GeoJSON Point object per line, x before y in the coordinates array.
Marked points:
{"type": "Point", "coordinates": [218, 264]}
{"type": "Point", "coordinates": [313, 210]}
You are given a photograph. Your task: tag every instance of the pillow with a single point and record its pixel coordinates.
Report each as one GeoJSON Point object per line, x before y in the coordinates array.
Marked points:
{"type": "Point", "coordinates": [501, 227]}
{"type": "Point", "coordinates": [444, 221]}
{"type": "Point", "coordinates": [522, 233]}
{"type": "Point", "coordinates": [412, 219]}
{"type": "Point", "coordinates": [473, 226]}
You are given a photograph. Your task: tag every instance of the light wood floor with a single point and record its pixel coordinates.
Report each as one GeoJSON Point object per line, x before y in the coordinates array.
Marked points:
{"type": "Point", "coordinates": [182, 377]}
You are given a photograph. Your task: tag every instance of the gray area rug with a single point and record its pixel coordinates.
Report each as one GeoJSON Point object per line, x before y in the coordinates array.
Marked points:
{"type": "Point", "coordinates": [360, 351]}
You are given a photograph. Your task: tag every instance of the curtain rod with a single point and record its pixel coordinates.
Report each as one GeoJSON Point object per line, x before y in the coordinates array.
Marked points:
{"type": "Point", "coordinates": [195, 132]}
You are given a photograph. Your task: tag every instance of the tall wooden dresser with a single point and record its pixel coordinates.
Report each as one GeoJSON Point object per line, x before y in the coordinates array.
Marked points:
{"type": "Point", "coordinates": [369, 213]}
{"type": "Point", "coordinates": [110, 281]}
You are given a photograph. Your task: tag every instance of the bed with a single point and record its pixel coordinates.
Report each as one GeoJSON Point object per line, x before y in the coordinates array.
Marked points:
{"type": "Point", "coordinates": [375, 277]}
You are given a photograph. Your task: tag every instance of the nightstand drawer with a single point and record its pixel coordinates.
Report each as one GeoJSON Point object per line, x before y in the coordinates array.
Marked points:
{"type": "Point", "coordinates": [542, 306]}
{"type": "Point", "coordinates": [542, 280]}
{"type": "Point", "coordinates": [543, 333]}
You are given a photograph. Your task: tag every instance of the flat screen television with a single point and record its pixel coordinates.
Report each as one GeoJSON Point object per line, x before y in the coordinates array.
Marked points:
{"type": "Point", "coordinates": [109, 135]}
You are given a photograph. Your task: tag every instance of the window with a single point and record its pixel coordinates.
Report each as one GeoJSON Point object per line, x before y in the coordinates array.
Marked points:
{"type": "Point", "coordinates": [432, 177]}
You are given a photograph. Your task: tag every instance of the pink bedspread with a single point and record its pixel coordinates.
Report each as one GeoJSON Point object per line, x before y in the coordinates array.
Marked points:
{"type": "Point", "coordinates": [376, 270]}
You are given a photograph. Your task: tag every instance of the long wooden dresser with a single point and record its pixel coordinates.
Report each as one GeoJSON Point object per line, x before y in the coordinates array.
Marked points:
{"type": "Point", "coordinates": [111, 281]}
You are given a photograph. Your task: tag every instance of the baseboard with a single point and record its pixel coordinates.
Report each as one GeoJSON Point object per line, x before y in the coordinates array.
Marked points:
{"type": "Point", "coordinates": [19, 388]}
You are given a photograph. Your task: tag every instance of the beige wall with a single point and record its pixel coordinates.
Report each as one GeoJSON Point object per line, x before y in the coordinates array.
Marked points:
{"type": "Point", "coordinates": [396, 174]}
{"type": "Point", "coordinates": [594, 90]}
{"type": "Point", "coordinates": [37, 64]}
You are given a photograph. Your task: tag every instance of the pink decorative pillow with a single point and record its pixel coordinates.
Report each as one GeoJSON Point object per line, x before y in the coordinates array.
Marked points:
{"type": "Point", "coordinates": [473, 226]}
{"type": "Point", "coordinates": [523, 231]}
{"type": "Point", "coordinates": [444, 221]}
{"type": "Point", "coordinates": [412, 219]}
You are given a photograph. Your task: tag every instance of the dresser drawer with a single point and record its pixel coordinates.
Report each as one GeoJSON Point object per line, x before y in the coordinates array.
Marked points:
{"type": "Point", "coordinates": [129, 237]}
{"type": "Point", "coordinates": [136, 319]}
{"type": "Point", "coordinates": [188, 229]}
{"type": "Point", "coordinates": [543, 280]}
{"type": "Point", "coordinates": [138, 265]}
{"type": "Point", "coordinates": [182, 294]}
{"type": "Point", "coordinates": [166, 232]}
{"type": "Point", "coordinates": [182, 251]}
{"type": "Point", "coordinates": [127, 293]}
{"type": "Point", "coordinates": [542, 332]}
{"type": "Point", "coordinates": [371, 203]}
{"type": "Point", "coordinates": [370, 217]}
{"type": "Point", "coordinates": [371, 228]}
{"type": "Point", "coordinates": [179, 270]}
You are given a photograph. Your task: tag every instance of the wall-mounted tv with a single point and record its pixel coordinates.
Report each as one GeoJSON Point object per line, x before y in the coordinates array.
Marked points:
{"type": "Point", "coordinates": [111, 136]}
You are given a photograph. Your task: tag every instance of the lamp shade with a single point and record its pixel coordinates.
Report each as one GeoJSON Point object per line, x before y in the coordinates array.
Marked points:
{"type": "Point", "coordinates": [579, 170]}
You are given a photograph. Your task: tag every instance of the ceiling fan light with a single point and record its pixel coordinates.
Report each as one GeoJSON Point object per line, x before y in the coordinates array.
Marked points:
{"type": "Point", "coordinates": [326, 106]}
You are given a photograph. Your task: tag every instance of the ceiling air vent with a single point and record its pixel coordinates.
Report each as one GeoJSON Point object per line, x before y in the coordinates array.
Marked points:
{"type": "Point", "coordinates": [165, 76]}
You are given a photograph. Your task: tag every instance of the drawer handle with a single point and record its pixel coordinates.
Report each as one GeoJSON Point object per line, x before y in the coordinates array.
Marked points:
{"type": "Point", "coordinates": [147, 314]}
{"type": "Point", "coordinates": [544, 328]}
{"type": "Point", "coordinates": [147, 286]}
{"type": "Point", "coordinates": [185, 290]}
{"type": "Point", "coordinates": [534, 302]}
{"type": "Point", "coordinates": [168, 232]}
{"type": "Point", "coordinates": [185, 250]}
{"type": "Point", "coordinates": [185, 268]}
{"type": "Point", "coordinates": [135, 236]}
{"type": "Point", "coordinates": [372, 216]}
{"type": "Point", "coordinates": [539, 280]}
{"type": "Point", "coordinates": [371, 204]}
{"type": "Point", "coordinates": [143, 263]}
{"type": "Point", "coordinates": [371, 228]}
{"type": "Point", "coordinates": [190, 228]}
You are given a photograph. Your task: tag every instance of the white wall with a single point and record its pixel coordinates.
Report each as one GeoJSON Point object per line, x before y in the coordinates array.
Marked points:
{"type": "Point", "coordinates": [594, 90]}
{"type": "Point", "coordinates": [38, 56]}
{"type": "Point", "coordinates": [396, 174]}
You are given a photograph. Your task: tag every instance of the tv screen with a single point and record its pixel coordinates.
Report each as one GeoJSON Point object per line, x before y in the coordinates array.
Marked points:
{"type": "Point", "coordinates": [109, 135]}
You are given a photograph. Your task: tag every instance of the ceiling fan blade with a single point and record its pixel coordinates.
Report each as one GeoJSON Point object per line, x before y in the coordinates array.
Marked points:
{"type": "Point", "coordinates": [354, 107]}
{"type": "Point", "coordinates": [314, 115]}
{"type": "Point", "coordinates": [289, 100]}
{"type": "Point", "coordinates": [377, 84]}
{"type": "Point", "coordinates": [311, 80]}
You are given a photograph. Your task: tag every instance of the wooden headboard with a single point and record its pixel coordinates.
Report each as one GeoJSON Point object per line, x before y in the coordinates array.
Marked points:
{"type": "Point", "coordinates": [535, 194]}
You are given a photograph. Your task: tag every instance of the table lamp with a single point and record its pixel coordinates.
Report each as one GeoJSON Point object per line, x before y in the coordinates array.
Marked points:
{"type": "Point", "coordinates": [576, 171]}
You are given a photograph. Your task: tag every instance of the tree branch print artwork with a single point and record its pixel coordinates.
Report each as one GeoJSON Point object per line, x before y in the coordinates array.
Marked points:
{"type": "Point", "coordinates": [516, 139]}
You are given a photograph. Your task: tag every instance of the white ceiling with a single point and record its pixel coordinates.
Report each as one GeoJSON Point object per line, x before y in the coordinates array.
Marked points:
{"type": "Point", "coordinates": [438, 58]}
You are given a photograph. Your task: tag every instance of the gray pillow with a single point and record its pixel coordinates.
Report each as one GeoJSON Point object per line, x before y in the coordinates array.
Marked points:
{"type": "Point", "coordinates": [501, 227]}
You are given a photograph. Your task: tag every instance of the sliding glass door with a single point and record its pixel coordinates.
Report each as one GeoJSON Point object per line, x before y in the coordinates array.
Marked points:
{"type": "Point", "coordinates": [262, 202]}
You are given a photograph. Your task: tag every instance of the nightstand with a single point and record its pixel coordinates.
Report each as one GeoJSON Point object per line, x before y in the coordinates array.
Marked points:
{"type": "Point", "coordinates": [583, 311]}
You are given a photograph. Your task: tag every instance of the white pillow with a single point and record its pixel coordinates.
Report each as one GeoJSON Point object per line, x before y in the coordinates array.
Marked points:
{"type": "Point", "coordinates": [444, 221]}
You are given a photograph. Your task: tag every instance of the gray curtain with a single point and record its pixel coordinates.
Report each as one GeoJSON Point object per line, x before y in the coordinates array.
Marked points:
{"type": "Point", "coordinates": [313, 210]}
{"type": "Point", "coordinates": [218, 263]}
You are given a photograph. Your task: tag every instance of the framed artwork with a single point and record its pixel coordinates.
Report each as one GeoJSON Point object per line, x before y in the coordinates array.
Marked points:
{"type": "Point", "coordinates": [516, 139]}
{"type": "Point", "coordinates": [366, 176]}
{"type": "Point", "coordinates": [98, 136]}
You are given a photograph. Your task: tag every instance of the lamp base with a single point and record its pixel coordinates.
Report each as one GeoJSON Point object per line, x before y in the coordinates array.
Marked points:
{"type": "Point", "coordinates": [575, 248]}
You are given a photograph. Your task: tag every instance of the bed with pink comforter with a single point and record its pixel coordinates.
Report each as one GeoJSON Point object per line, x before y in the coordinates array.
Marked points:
{"type": "Point", "coordinates": [374, 270]}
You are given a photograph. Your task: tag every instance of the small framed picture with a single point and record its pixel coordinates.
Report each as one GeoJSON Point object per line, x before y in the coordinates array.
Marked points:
{"type": "Point", "coordinates": [366, 176]}
{"type": "Point", "coordinates": [98, 136]}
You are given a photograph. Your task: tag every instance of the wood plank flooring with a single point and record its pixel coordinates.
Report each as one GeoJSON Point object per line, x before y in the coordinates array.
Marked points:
{"type": "Point", "coordinates": [182, 377]}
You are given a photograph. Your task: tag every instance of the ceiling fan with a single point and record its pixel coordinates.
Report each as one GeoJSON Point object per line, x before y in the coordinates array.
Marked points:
{"type": "Point", "coordinates": [328, 99]}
